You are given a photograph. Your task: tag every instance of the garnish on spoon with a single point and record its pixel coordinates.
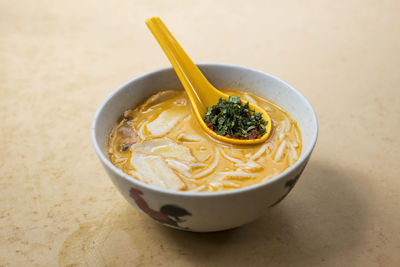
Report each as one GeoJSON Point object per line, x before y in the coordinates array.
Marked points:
{"type": "Point", "coordinates": [233, 119]}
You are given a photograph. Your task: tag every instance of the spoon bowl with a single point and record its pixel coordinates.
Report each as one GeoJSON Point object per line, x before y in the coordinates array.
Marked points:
{"type": "Point", "coordinates": [201, 92]}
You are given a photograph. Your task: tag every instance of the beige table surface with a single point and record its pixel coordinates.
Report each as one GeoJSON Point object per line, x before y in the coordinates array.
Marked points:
{"type": "Point", "coordinates": [60, 59]}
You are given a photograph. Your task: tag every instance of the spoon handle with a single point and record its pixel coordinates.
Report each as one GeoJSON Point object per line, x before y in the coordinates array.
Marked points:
{"type": "Point", "coordinates": [190, 76]}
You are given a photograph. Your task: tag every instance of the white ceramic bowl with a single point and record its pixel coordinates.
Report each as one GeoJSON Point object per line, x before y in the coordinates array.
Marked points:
{"type": "Point", "coordinates": [205, 212]}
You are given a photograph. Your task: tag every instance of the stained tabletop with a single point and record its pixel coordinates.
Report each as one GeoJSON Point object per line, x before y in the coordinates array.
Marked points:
{"type": "Point", "coordinates": [60, 59]}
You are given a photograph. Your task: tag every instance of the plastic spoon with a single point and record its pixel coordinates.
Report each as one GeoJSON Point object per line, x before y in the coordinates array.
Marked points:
{"type": "Point", "coordinates": [200, 91]}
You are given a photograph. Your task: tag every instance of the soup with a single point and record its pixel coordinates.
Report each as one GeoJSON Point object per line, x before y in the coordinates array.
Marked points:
{"type": "Point", "coordinates": [160, 143]}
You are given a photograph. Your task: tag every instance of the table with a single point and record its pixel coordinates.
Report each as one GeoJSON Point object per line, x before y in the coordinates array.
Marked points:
{"type": "Point", "coordinates": [60, 59]}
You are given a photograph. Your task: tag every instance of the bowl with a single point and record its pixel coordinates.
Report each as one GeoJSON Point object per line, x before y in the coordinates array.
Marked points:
{"type": "Point", "coordinates": [207, 211]}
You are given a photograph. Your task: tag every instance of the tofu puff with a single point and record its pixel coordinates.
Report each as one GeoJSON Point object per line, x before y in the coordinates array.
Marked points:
{"type": "Point", "coordinates": [160, 142]}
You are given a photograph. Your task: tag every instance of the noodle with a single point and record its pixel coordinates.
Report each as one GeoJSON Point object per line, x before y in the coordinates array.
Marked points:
{"type": "Point", "coordinates": [161, 143]}
{"type": "Point", "coordinates": [230, 158]}
{"type": "Point", "coordinates": [211, 168]}
{"type": "Point", "coordinates": [280, 151]}
{"type": "Point", "coordinates": [259, 152]}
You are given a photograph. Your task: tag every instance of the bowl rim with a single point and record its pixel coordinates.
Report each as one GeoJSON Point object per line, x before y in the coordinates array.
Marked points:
{"type": "Point", "coordinates": [304, 156]}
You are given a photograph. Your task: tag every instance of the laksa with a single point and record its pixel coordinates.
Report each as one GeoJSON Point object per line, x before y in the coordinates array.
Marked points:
{"type": "Point", "coordinates": [160, 143]}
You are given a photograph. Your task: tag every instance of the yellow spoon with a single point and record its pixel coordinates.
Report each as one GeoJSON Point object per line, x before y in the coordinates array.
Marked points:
{"type": "Point", "coordinates": [200, 91]}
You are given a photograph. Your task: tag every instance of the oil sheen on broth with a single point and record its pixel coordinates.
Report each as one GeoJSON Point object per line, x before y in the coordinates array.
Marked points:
{"type": "Point", "coordinates": [160, 143]}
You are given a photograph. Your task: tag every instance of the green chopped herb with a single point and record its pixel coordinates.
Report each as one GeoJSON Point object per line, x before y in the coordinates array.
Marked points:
{"type": "Point", "coordinates": [230, 118]}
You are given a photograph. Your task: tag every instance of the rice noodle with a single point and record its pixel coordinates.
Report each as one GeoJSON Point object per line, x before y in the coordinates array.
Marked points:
{"type": "Point", "coordinates": [211, 168]}
{"type": "Point", "coordinates": [270, 148]}
{"type": "Point", "coordinates": [267, 108]}
{"type": "Point", "coordinates": [121, 160]}
{"type": "Point", "coordinates": [179, 166]}
{"type": "Point", "coordinates": [231, 184]}
{"type": "Point", "coordinates": [199, 188]}
{"type": "Point", "coordinates": [250, 99]}
{"type": "Point", "coordinates": [231, 158]}
{"type": "Point", "coordinates": [280, 151]}
{"type": "Point", "coordinates": [140, 124]}
{"type": "Point", "coordinates": [203, 158]}
{"type": "Point", "coordinates": [259, 152]}
{"type": "Point", "coordinates": [185, 159]}
{"type": "Point", "coordinates": [285, 127]}
{"type": "Point", "coordinates": [292, 154]}
{"type": "Point", "coordinates": [197, 165]}
{"type": "Point", "coordinates": [282, 130]}
{"type": "Point", "coordinates": [297, 135]}
{"type": "Point", "coordinates": [238, 174]}
{"type": "Point", "coordinates": [295, 144]}
{"type": "Point", "coordinates": [140, 131]}
{"type": "Point", "coordinates": [268, 177]}
{"type": "Point", "coordinates": [250, 165]}
{"type": "Point", "coordinates": [285, 118]}
{"type": "Point", "coordinates": [188, 138]}
{"type": "Point", "coordinates": [215, 185]}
